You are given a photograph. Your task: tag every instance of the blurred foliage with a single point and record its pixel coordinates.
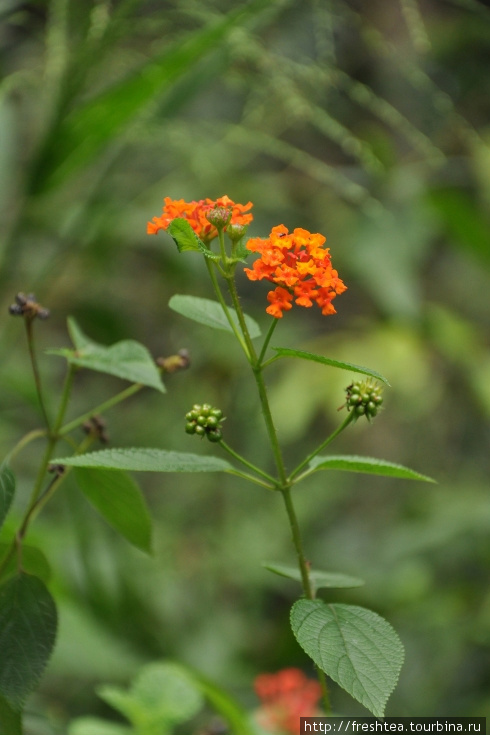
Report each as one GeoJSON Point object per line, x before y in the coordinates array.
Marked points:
{"type": "Point", "coordinates": [365, 121]}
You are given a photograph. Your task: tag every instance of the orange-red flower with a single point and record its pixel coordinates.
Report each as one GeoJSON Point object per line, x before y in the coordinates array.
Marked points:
{"type": "Point", "coordinates": [196, 214]}
{"type": "Point", "coordinates": [286, 696]}
{"type": "Point", "coordinates": [300, 265]}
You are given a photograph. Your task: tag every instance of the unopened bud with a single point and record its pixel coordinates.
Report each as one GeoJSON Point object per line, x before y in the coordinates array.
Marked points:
{"type": "Point", "coordinates": [236, 232]}
{"type": "Point", "coordinates": [219, 217]}
{"type": "Point", "coordinates": [180, 361]}
{"type": "Point", "coordinates": [26, 305]}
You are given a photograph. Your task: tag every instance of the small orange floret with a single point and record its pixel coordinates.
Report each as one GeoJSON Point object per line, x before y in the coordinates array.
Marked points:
{"type": "Point", "coordinates": [299, 263]}
{"type": "Point", "coordinates": [285, 697]}
{"type": "Point", "coordinates": [280, 300]}
{"type": "Point", "coordinates": [196, 213]}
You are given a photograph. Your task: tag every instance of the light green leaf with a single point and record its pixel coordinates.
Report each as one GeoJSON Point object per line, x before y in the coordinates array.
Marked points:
{"type": "Point", "coordinates": [231, 711]}
{"type": "Point", "coordinates": [367, 465]}
{"type": "Point", "coordinates": [28, 622]}
{"type": "Point", "coordinates": [119, 500]}
{"type": "Point", "coordinates": [186, 239]}
{"type": "Point", "coordinates": [161, 695]}
{"type": "Point", "coordinates": [128, 359]}
{"type": "Point", "coordinates": [33, 562]}
{"type": "Point", "coordinates": [210, 313]}
{"type": "Point", "coordinates": [94, 726]}
{"type": "Point", "coordinates": [10, 719]}
{"type": "Point", "coordinates": [7, 491]}
{"type": "Point", "coordinates": [147, 460]}
{"type": "Point", "coordinates": [286, 352]}
{"type": "Point", "coordinates": [320, 579]}
{"type": "Point", "coordinates": [357, 648]}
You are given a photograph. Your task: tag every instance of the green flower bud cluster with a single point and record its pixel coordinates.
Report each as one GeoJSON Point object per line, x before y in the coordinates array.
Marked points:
{"type": "Point", "coordinates": [206, 421]}
{"type": "Point", "coordinates": [364, 398]}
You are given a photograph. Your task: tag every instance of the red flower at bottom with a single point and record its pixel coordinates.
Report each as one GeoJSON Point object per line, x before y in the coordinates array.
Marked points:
{"type": "Point", "coordinates": [286, 696]}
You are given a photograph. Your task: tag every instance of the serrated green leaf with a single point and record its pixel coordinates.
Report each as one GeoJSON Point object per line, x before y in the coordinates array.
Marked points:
{"type": "Point", "coordinates": [367, 465]}
{"type": "Point", "coordinates": [286, 352]}
{"type": "Point", "coordinates": [7, 491]}
{"type": "Point", "coordinates": [183, 235]}
{"type": "Point", "coordinates": [185, 238]}
{"type": "Point", "coordinates": [147, 460]}
{"type": "Point", "coordinates": [33, 562]}
{"type": "Point", "coordinates": [10, 719]}
{"type": "Point", "coordinates": [120, 502]}
{"type": "Point", "coordinates": [128, 359]}
{"type": "Point", "coordinates": [210, 313]}
{"type": "Point", "coordinates": [357, 648]}
{"type": "Point", "coordinates": [320, 579]}
{"type": "Point", "coordinates": [94, 726]}
{"type": "Point", "coordinates": [28, 622]}
{"type": "Point", "coordinates": [161, 695]}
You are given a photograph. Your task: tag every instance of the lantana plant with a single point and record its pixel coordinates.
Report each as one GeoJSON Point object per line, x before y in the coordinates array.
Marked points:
{"type": "Point", "coordinates": [348, 644]}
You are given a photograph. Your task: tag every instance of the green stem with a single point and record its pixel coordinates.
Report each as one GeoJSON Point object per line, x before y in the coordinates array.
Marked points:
{"type": "Point", "coordinates": [350, 416]}
{"type": "Point", "coordinates": [308, 589]}
{"type": "Point", "coordinates": [224, 306]}
{"type": "Point", "coordinates": [259, 380]}
{"type": "Point", "coordinates": [35, 369]}
{"type": "Point", "coordinates": [27, 439]}
{"type": "Point", "coordinates": [247, 463]}
{"type": "Point", "coordinates": [121, 396]}
{"type": "Point", "coordinates": [267, 340]}
{"type": "Point", "coordinates": [250, 478]}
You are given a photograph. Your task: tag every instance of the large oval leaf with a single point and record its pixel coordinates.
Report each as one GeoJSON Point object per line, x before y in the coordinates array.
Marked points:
{"type": "Point", "coordinates": [210, 313]}
{"type": "Point", "coordinates": [119, 500]}
{"type": "Point", "coordinates": [320, 579]}
{"type": "Point", "coordinates": [10, 719]}
{"type": "Point", "coordinates": [286, 352]}
{"type": "Point", "coordinates": [367, 465]}
{"type": "Point", "coordinates": [147, 460]}
{"type": "Point", "coordinates": [357, 648]}
{"type": "Point", "coordinates": [7, 491]}
{"type": "Point", "coordinates": [28, 622]}
{"type": "Point", "coordinates": [128, 359]}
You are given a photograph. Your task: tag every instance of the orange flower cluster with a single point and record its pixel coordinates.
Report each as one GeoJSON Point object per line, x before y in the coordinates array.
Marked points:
{"type": "Point", "coordinates": [286, 696]}
{"type": "Point", "coordinates": [196, 213]}
{"type": "Point", "coordinates": [300, 266]}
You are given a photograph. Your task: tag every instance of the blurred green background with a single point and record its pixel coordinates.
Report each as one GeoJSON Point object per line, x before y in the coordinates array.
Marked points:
{"type": "Point", "coordinates": [368, 122]}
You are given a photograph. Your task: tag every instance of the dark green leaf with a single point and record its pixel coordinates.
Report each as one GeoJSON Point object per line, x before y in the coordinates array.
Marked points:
{"type": "Point", "coordinates": [356, 647]}
{"type": "Point", "coordinates": [147, 460]}
{"type": "Point", "coordinates": [28, 622]}
{"type": "Point", "coordinates": [320, 579]}
{"type": "Point", "coordinates": [128, 359]}
{"type": "Point", "coordinates": [119, 500]}
{"type": "Point", "coordinates": [367, 465]}
{"type": "Point", "coordinates": [7, 491]}
{"type": "Point", "coordinates": [33, 562]}
{"type": "Point", "coordinates": [10, 719]}
{"type": "Point", "coordinates": [286, 352]}
{"type": "Point", "coordinates": [210, 313]}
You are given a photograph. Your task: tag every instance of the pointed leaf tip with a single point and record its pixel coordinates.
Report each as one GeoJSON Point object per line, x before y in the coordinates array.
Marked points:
{"type": "Point", "coordinates": [357, 648]}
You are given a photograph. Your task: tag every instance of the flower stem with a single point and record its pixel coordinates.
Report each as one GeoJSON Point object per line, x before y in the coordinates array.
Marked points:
{"type": "Point", "coordinates": [267, 340]}
{"type": "Point", "coordinates": [121, 396]}
{"type": "Point", "coordinates": [224, 306]}
{"type": "Point", "coordinates": [325, 443]}
{"type": "Point", "coordinates": [247, 463]}
{"type": "Point", "coordinates": [35, 369]}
